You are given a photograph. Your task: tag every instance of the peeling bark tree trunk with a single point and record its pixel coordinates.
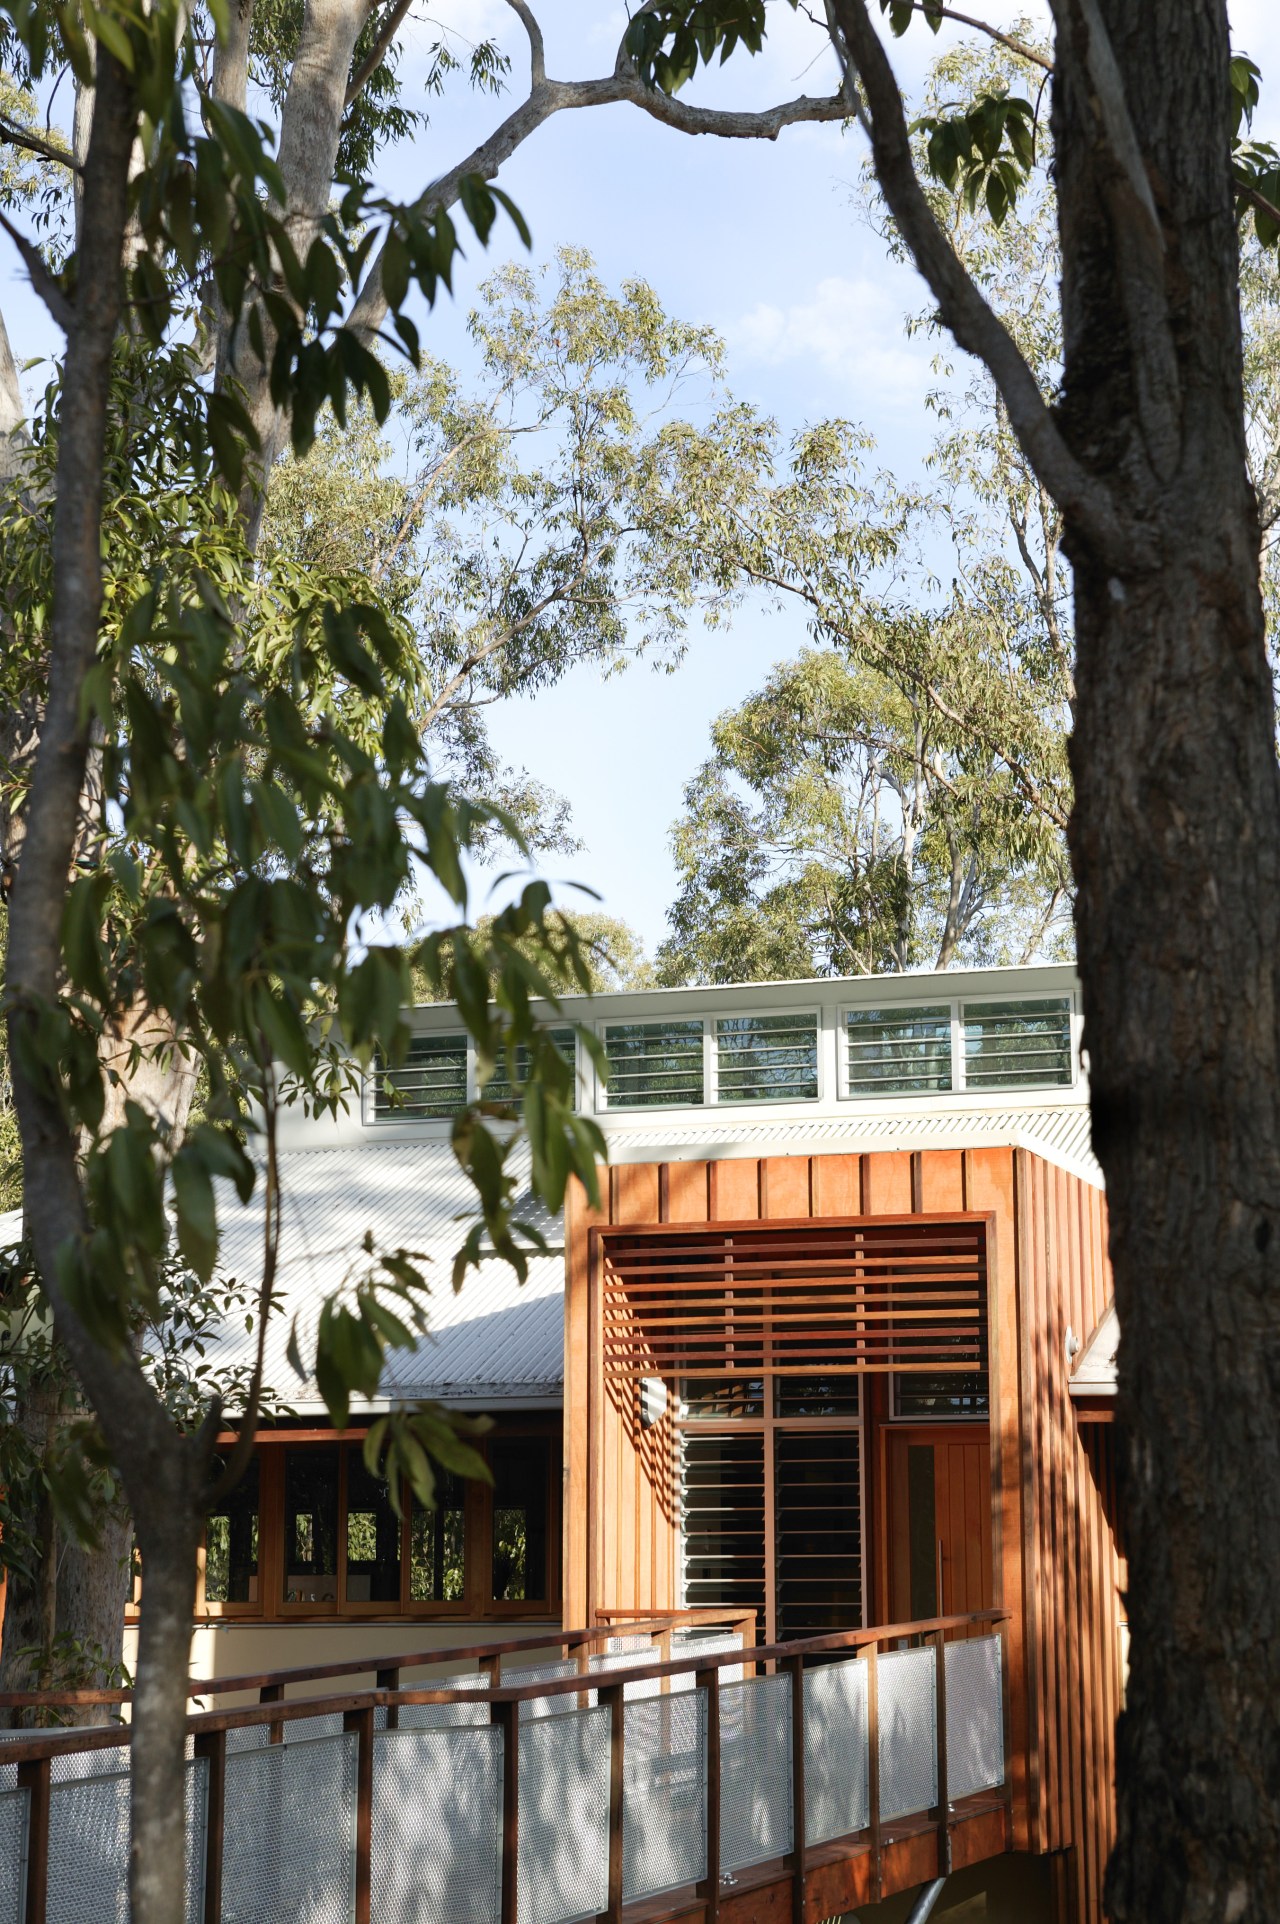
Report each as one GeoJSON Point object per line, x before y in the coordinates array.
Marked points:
{"type": "Point", "coordinates": [1176, 844]}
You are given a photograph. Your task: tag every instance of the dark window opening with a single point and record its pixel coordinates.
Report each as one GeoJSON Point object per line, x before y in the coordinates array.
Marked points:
{"type": "Point", "coordinates": [231, 1542]}
{"type": "Point", "coordinates": [311, 1525]}
{"type": "Point", "coordinates": [521, 1490]}
{"type": "Point", "coordinates": [373, 1535]}
{"type": "Point", "coordinates": [438, 1546]}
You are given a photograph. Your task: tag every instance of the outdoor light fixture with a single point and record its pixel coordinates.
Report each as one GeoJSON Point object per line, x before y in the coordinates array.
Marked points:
{"type": "Point", "coordinates": [653, 1401]}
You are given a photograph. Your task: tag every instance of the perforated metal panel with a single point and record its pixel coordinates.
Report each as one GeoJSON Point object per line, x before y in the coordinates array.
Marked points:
{"type": "Point", "coordinates": [755, 1771]}
{"type": "Point", "coordinates": [705, 1643]}
{"type": "Point", "coordinates": [908, 1733]}
{"type": "Point", "coordinates": [89, 1846]}
{"type": "Point", "coordinates": [13, 1855]}
{"type": "Point", "coordinates": [437, 1825]}
{"type": "Point", "coordinates": [836, 1750]}
{"type": "Point", "coordinates": [564, 1817]}
{"type": "Point", "coordinates": [664, 1794]}
{"type": "Point", "coordinates": [442, 1716]}
{"type": "Point", "coordinates": [305, 1730]}
{"type": "Point", "coordinates": [975, 1717]}
{"type": "Point", "coordinates": [289, 1852]}
{"type": "Point", "coordinates": [543, 1673]}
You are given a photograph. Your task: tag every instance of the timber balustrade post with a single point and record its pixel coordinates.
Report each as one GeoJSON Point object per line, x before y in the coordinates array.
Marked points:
{"type": "Point", "coordinates": [661, 1641]}
{"type": "Point", "coordinates": [1006, 1727]}
{"type": "Point", "coordinates": [799, 1842]}
{"type": "Point", "coordinates": [212, 1745]}
{"type": "Point", "coordinates": [389, 1679]}
{"type": "Point", "coordinates": [507, 1716]}
{"type": "Point", "coordinates": [615, 1696]}
{"type": "Point", "coordinates": [36, 1779]}
{"type": "Point", "coordinates": [273, 1693]}
{"type": "Point", "coordinates": [873, 1767]}
{"type": "Point", "coordinates": [938, 1639]}
{"type": "Point", "coordinates": [709, 1889]}
{"type": "Point", "coordinates": [361, 1721]}
{"type": "Point", "coordinates": [582, 1657]}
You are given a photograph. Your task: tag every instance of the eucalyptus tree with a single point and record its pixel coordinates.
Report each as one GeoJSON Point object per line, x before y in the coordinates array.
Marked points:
{"type": "Point", "coordinates": [843, 827]}
{"type": "Point", "coordinates": [1142, 443]}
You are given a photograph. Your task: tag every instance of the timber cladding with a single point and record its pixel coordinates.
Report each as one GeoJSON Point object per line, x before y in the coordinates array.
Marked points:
{"type": "Point", "coordinates": [991, 1240]}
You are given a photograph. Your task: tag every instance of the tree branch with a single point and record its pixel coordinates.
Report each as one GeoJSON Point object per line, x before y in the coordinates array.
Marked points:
{"type": "Point", "coordinates": [975, 325]}
{"type": "Point", "coordinates": [537, 47]}
{"type": "Point", "coordinates": [378, 51]}
{"type": "Point", "coordinates": [1009, 40]}
{"type": "Point", "coordinates": [548, 97]}
{"type": "Point", "coordinates": [15, 136]}
{"type": "Point", "coordinates": [41, 279]}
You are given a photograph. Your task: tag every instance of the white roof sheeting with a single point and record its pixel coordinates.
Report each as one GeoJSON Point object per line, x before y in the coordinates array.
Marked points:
{"type": "Point", "coordinates": [1094, 1373]}
{"type": "Point", "coordinates": [1059, 1134]}
{"type": "Point", "coordinates": [495, 1339]}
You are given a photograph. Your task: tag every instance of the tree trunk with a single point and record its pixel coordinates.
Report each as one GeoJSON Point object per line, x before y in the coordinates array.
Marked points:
{"type": "Point", "coordinates": [168, 1541]}
{"type": "Point", "coordinates": [1176, 844]}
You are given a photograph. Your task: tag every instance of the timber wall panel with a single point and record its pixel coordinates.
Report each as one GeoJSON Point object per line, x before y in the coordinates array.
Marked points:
{"type": "Point", "coordinates": [1054, 1562]}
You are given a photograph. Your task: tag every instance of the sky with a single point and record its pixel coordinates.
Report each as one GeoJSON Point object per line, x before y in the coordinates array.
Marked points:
{"type": "Point", "coordinates": [759, 240]}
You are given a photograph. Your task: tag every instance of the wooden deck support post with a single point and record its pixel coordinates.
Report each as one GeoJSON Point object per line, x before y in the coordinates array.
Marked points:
{"type": "Point", "coordinates": [361, 1721]}
{"type": "Point", "coordinates": [873, 1769]}
{"type": "Point", "coordinates": [614, 1696]}
{"type": "Point", "coordinates": [709, 1889]}
{"type": "Point", "coordinates": [389, 1679]}
{"type": "Point", "coordinates": [37, 1780]}
{"type": "Point", "coordinates": [212, 1745]}
{"type": "Point", "coordinates": [273, 1693]}
{"type": "Point", "coordinates": [938, 1639]}
{"type": "Point", "coordinates": [507, 1717]}
{"type": "Point", "coordinates": [799, 1844]}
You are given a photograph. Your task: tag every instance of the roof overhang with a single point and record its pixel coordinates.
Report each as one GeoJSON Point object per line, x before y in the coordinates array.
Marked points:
{"type": "Point", "coordinates": [1093, 1377]}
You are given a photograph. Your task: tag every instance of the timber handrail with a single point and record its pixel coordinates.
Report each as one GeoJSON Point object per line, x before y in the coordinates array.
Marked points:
{"type": "Point", "coordinates": [644, 1622]}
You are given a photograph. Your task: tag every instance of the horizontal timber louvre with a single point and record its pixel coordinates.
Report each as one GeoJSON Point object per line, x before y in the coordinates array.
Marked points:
{"type": "Point", "coordinates": [759, 1300]}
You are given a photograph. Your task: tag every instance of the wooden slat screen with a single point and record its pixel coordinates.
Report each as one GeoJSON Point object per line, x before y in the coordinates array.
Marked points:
{"type": "Point", "coordinates": [769, 1299]}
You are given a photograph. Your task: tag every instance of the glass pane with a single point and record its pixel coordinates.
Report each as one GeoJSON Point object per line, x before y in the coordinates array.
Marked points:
{"type": "Point", "coordinates": [922, 1531]}
{"type": "Point", "coordinates": [430, 1082]}
{"type": "Point", "coordinates": [231, 1542]}
{"type": "Point", "coordinates": [819, 1530]}
{"type": "Point", "coordinates": [949, 1393]}
{"type": "Point", "coordinates": [722, 1500]}
{"type": "Point", "coordinates": [653, 1062]}
{"type": "Point", "coordinates": [1017, 1045]}
{"type": "Point", "coordinates": [373, 1535]}
{"type": "Point", "coordinates": [521, 1474]}
{"type": "Point", "coordinates": [899, 1051]}
{"type": "Point", "coordinates": [817, 1395]}
{"type": "Point", "coordinates": [499, 1087]}
{"type": "Point", "coordinates": [438, 1546]}
{"type": "Point", "coordinates": [311, 1524]}
{"type": "Point", "coordinates": [767, 1058]}
{"type": "Point", "coordinates": [721, 1396]}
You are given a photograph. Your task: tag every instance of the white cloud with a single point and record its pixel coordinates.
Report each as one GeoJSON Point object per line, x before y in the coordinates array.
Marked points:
{"type": "Point", "coordinates": [850, 329]}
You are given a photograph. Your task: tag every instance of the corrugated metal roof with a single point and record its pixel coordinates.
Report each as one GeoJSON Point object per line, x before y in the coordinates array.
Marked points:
{"type": "Point", "coordinates": [496, 1338]}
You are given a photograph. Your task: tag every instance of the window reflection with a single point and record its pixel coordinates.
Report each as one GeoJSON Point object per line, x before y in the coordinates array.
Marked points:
{"type": "Point", "coordinates": [521, 1476]}
{"type": "Point", "coordinates": [438, 1546]}
{"type": "Point", "coordinates": [373, 1535]}
{"type": "Point", "coordinates": [231, 1542]}
{"type": "Point", "coordinates": [311, 1524]}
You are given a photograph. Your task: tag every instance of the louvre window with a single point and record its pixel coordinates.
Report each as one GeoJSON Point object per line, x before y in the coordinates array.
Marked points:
{"type": "Point", "coordinates": [654, 1062]}
{"type": "Point", "coordinates": [767, 1058]}
{"type": "Point", "coordinates": [499, 1088]}
{"type": "Point", "coordinates": [724, 1516]}
{"type": "Point", "coordinates": [899, 1052]}
{"type": "Point", "coordinates": [1017, 1045]}
{"type": "Point", "coordinates": [817, 1481]}
{"type": "Point", "coordinates": [430, 1083]}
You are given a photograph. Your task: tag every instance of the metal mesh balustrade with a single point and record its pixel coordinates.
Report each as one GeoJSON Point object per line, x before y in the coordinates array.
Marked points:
{"type": "Point", "coordinates": [907, 1686]}
{"type": "Point", "coordinates": [436, 1848]}
{"type": "Point", "coordinates": [13, 1855]}
{"type": "Point", "coordinates": [289, 1838]}
{"type": "Point", "coordinates": [564, 1817]}
{"type": "Point", "coordinates": [442, 1716]}
{"type": "Point", "coordinates": [545, 1673]}
{"type": "Point", "coordinates": [89, 1847]}
{"type": "Point", "coordinates": [755, 1771]}
{"type": "Point", "coordinates": [664, 1794]}
{"type": "Point", "coordinates": [975, 1716]}
{"type": "Point", "coordinates": [836, 1750]}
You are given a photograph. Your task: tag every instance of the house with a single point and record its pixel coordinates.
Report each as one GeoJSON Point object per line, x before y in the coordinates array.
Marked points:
{"type": "Point", "coordinates": [812, 1358]}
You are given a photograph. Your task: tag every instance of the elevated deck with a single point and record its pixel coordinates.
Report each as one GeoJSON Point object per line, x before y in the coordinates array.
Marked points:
{"type": "Point", "coordinates": [641, 1773]}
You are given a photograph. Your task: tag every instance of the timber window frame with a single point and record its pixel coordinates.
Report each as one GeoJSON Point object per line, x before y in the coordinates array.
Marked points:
{"type": "Point", "coordinates": [480, 1527]}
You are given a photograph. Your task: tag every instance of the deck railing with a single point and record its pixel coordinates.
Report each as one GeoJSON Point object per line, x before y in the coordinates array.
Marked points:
{"type": "Point", "coordinates": [678, 1758]}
